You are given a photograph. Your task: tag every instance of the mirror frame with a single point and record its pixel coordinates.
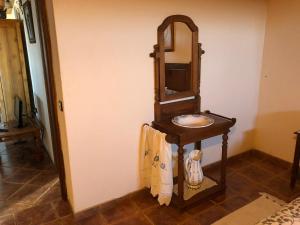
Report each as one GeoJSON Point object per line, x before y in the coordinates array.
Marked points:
{"type": "Point", "coordinates": [159, 54]}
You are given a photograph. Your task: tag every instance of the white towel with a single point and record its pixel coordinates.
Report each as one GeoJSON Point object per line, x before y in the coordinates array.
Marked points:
{"type": "Point", "coordinates": [156, 164]}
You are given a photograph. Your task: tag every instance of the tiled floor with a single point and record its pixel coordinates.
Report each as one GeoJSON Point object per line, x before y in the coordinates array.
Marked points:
{"type": "Point", "coordinates": [248, 175]}
{"type": "Point", "coordinates": [29, 190]}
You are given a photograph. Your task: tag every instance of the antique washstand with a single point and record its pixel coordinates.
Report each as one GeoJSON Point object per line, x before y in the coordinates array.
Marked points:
{"type": "Point", "coordinates": [177, 59]}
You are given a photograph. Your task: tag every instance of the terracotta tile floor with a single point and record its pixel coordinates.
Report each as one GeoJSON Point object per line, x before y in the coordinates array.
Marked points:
{"type": "Point", "coordinates": [248, 174]}
{"type": "Point", "coordinates": [29, 190]}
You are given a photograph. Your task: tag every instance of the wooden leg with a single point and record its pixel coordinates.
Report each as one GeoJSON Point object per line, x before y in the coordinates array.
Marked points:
{"type": "Point", "coordinates": [38, 150]}
{"type": "Point", "coordinates": [295, 166]}
{"type": "Point", "coordinates": [198, 145]}
{"type": "Point", "coordinates": [224, 159]}
{"type": "Point", "coordinates": [180, 173]}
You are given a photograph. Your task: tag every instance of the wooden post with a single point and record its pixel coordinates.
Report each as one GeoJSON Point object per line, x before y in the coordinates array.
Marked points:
{"type": "Point", "coordinates": [224, 158]}
{"type": "Point", "coordinates": [180, 173]}
{"type": "Point", "coordinates": [198, 145]}
{"type": "Point", "coordinates": [38, 145]}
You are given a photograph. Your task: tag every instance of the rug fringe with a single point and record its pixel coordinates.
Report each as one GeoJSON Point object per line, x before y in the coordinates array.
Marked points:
{"type": "Point", "coordinates": [273, 198]}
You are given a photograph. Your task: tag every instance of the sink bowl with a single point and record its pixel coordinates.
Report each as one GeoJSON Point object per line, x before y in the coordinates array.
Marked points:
{"type": "Point", "coordinates": [192, 121]}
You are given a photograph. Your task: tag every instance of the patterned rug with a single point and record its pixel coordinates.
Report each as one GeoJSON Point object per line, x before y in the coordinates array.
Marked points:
{"type": "Point", "coordinates": [253, 212]}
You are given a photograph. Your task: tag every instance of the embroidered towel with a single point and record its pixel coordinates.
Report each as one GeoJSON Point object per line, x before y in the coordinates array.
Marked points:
{"type": "Point", "coordinates": [156, 164]}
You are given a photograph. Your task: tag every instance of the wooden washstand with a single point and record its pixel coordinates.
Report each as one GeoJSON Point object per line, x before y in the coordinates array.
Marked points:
{"type": "Point", "coordinates": [177, 92]}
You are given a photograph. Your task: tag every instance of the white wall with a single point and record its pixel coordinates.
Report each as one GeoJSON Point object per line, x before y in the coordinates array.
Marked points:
{"type": "Point", "coordinates": [107, 81]}
{"type": "Point", "coordinates": [38, 82]}
{"type": "Point", "coordinates": [279, 106]}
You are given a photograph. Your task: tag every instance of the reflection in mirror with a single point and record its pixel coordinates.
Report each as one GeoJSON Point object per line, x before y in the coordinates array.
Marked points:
{"type": "Point", "coordinates": [178, 56]}
{"type": "Point", "coordinates": [169, 38]}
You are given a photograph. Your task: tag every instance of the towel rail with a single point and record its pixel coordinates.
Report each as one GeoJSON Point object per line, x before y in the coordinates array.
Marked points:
{"type": "Point", "coordinates": [145, 124]}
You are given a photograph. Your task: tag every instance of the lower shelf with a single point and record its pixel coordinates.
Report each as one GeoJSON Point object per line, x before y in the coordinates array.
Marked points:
{"type": "Point", "coordinates": [189, 193]}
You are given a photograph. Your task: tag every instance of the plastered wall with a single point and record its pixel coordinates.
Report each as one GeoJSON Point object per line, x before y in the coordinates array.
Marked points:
{"type": "Point", "coordinates": [279, 107]}
{"type": "Point", "coordinates": [108, 84]}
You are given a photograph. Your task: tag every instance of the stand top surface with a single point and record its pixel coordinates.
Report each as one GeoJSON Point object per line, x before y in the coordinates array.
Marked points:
{"type": "Point", "coordinates": [12, 130]}
{"type": "Point", "coordinates": [183, 135]}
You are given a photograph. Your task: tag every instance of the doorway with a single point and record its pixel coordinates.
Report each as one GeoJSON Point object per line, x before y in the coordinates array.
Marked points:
{"type": "Point", "coordinates": [22, 176]}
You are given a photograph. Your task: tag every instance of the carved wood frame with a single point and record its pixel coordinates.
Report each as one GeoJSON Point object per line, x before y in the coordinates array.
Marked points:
{"type": "Point", "coordinates": [166, 111]}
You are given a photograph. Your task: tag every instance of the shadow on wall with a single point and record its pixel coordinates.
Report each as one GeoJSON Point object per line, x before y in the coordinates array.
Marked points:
{"type": "Point", "coordinates": [274, 133]}
{"type": "Point", "coordinates": [40, 114]}
{"type": "Point", "coordinates": [38, 106]}
{"type": "Point", "coordinates": [243, 143]}
{"type": "Point", "coordinates": [237, 143]}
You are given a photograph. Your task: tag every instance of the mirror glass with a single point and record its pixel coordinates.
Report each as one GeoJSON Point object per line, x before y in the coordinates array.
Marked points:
{"type": "Point", "coordinates": [178, 57]}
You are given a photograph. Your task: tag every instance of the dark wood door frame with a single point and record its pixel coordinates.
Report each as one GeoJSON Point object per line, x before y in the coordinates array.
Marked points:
{"type": "Point", "coordinates": [52, 101]}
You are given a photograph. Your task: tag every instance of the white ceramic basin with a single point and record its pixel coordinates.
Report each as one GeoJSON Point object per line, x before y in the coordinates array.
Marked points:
{"type": "Point", "coordinates": [193, 121]}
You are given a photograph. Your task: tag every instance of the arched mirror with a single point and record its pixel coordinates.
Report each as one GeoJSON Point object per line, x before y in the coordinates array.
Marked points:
{"type": "Point", "coordinates": [177, 59]}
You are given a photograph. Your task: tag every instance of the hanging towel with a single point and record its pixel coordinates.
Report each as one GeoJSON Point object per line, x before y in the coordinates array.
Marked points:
{"type": "Point", "coordinates": [156, 164]}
